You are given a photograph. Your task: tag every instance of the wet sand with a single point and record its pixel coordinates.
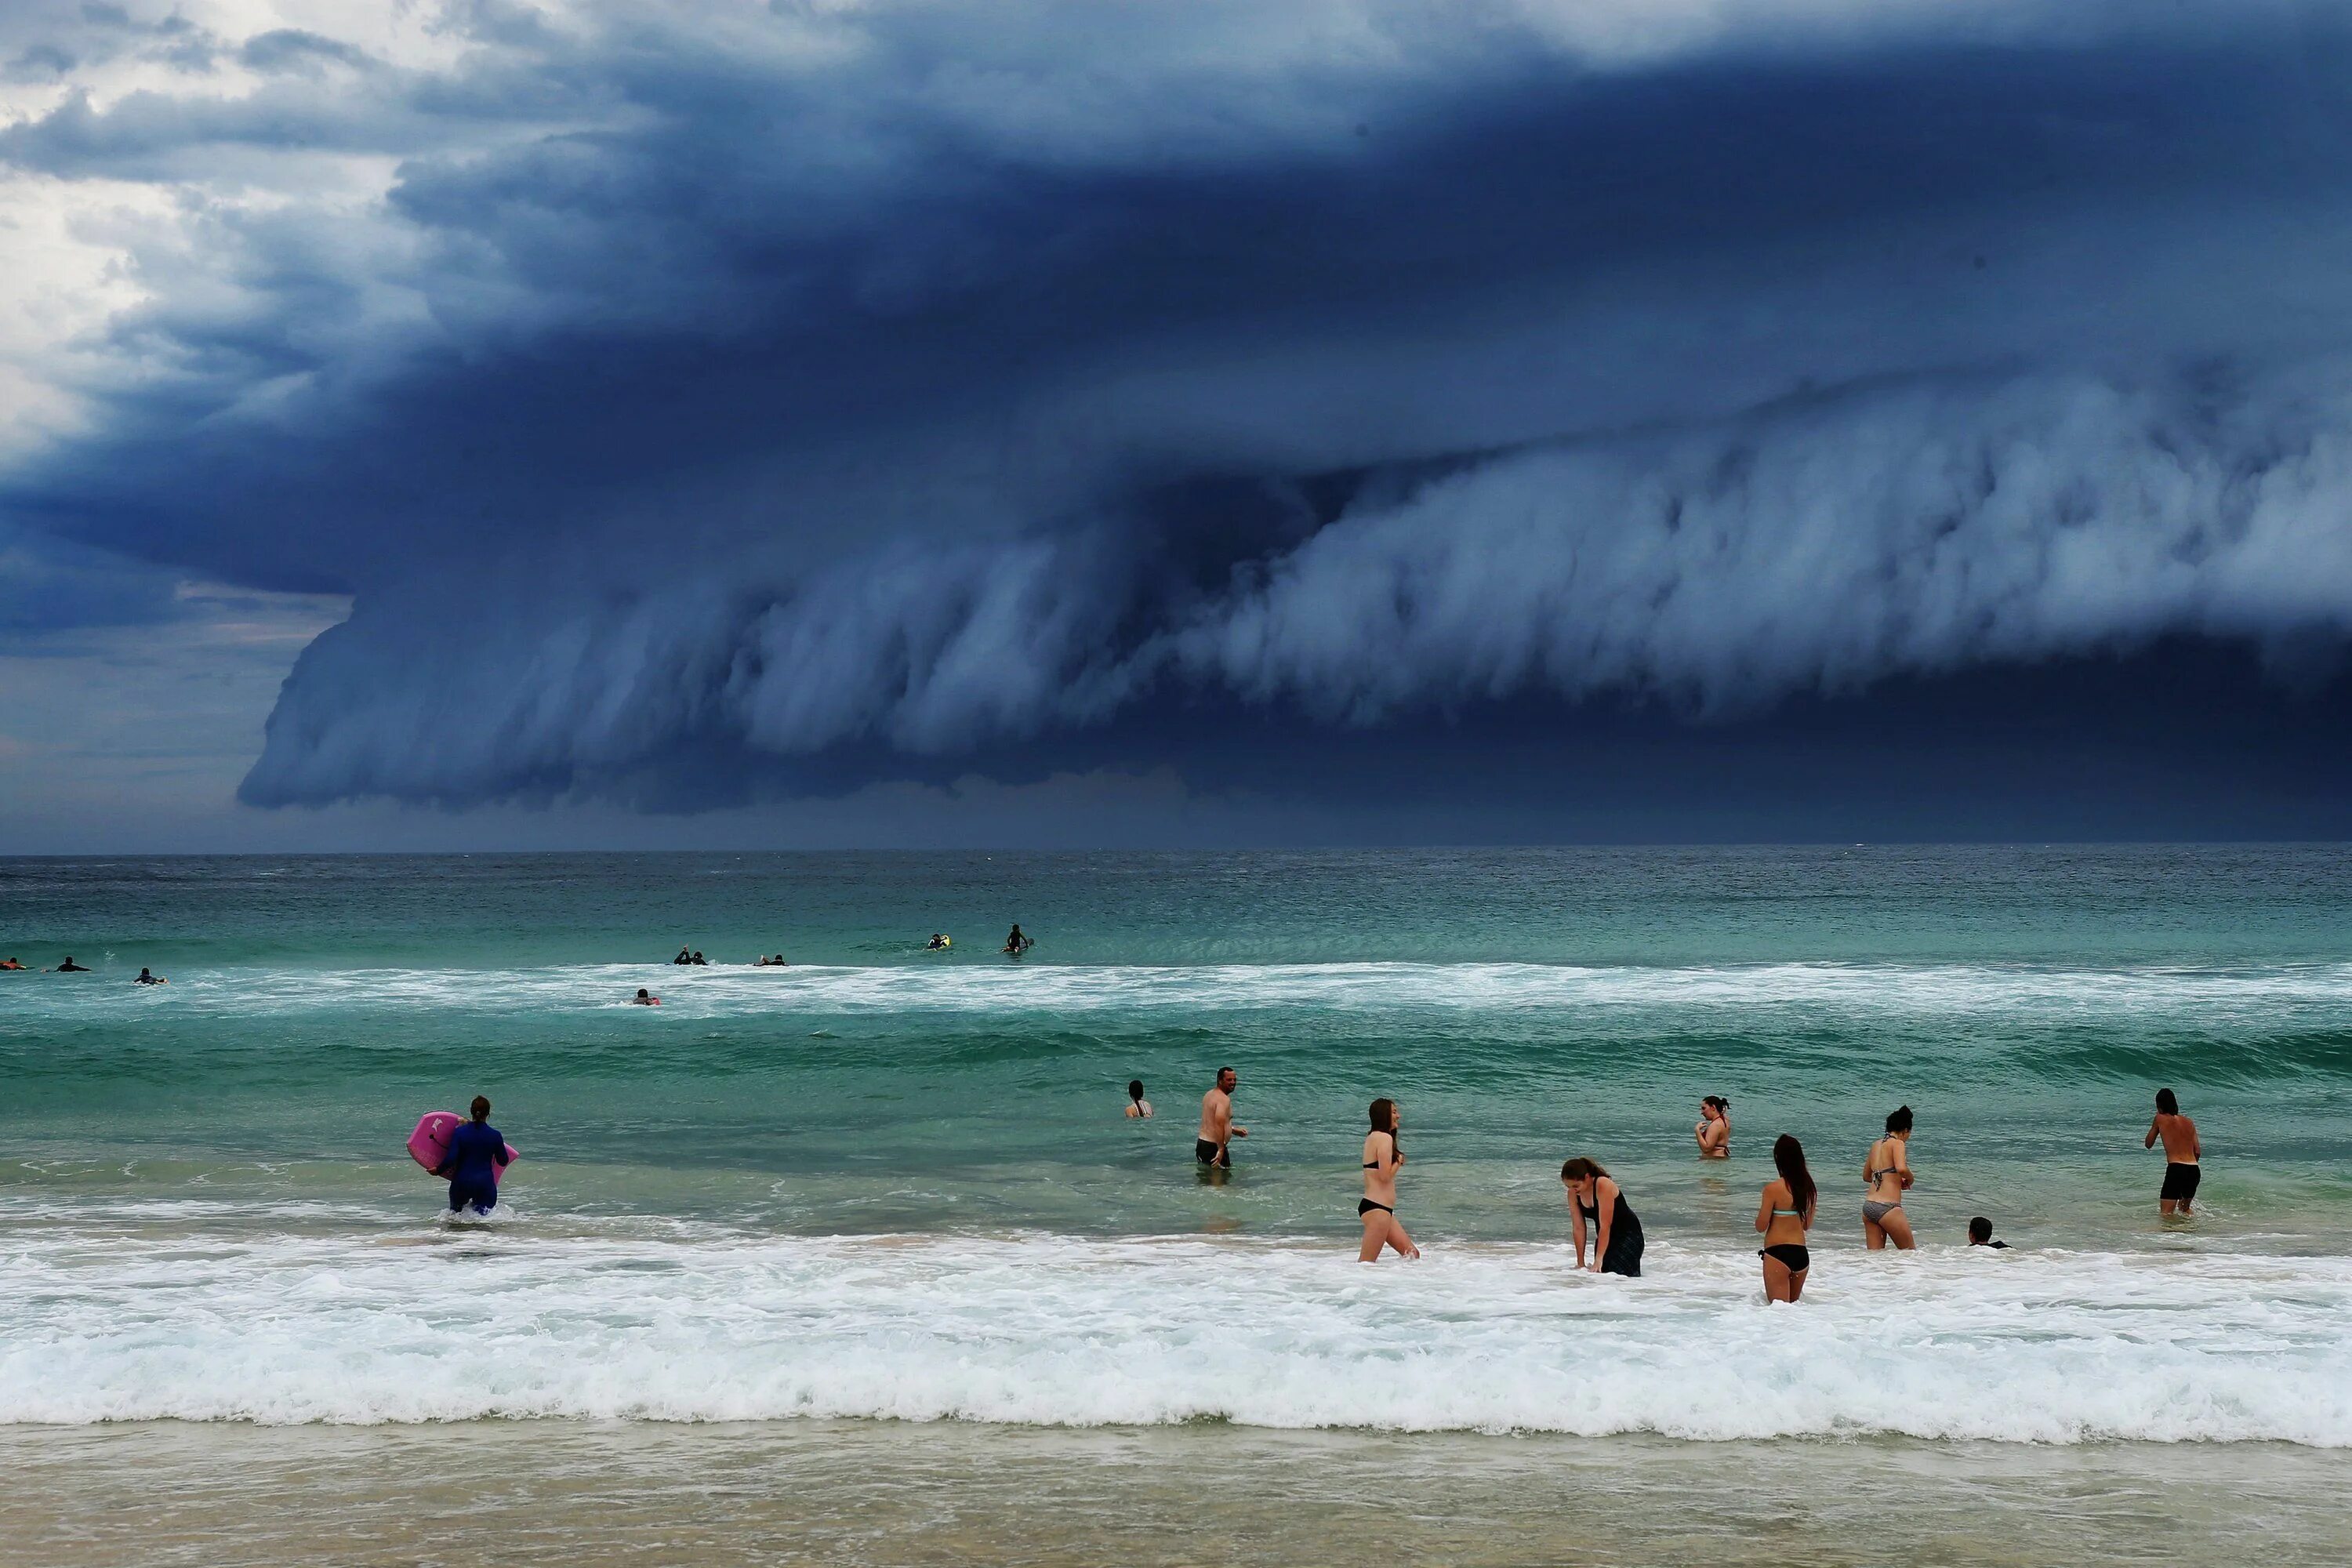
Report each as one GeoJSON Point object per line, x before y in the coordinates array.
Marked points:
{"type": "Point", "coordinates": [233, 1496]}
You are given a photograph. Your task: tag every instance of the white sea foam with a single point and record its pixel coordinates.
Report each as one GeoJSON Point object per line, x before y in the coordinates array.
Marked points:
{"type": "Point", "coordinates": [2268, 994]}
{"type": "Point", "coordinates": [2049, 1346]}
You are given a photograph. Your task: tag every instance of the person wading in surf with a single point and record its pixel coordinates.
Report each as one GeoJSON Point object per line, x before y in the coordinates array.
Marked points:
{"type": "Point", "coordinates": [2182, 1152]}
{"type": "Point", "coordinates": [1211, 1148]}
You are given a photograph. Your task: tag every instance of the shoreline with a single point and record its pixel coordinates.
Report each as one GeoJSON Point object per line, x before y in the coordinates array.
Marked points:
{"type": "Point", "coordinates": [857, 1492]}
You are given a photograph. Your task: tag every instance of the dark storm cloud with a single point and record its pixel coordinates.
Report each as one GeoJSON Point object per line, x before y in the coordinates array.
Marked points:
{"type": "Point", "coordinates": [792, 398]}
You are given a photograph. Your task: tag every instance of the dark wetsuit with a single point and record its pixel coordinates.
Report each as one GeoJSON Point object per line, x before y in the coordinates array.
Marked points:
{"type": "Point", "coordinates": [1624, 1255]}
{"type": "Point", "coordinates": [476, 1152]}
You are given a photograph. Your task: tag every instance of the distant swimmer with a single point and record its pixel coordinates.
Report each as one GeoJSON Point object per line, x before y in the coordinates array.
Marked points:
{"type": "Point", "coordinates": [2182, 1152]}
{"type": "Point", "coordinates": [644, 998]}
{"type": "Point", "coordinates": [149, 977]}
{"type": "Point", "coordinates": [476, 1153]}
{"type": "Point", "coordinates": [1594, 1198]}
{"type": "Point", "coordinates": [1980, 1233]}
{"type": "Point", "coordinates": [1714, 1129]}
{"type": "Point", "coordinates": [940, 938]}
{"type": "Point", "coordinates": [1784, 1215]}
{"type": "Point", "coordinates": [10, 964]}
{"type": "Point", "coordinates": [1886, 1176]}
{"type": "Point", "coordinates": [1138, 1108]}
{"type": "Point", "coordinates": [1377, 1208]}
{"type": "Point", "coordinates": [1016, 945]}
{"type": "Point", "coordinates": [70, 967]}
{"type": "Point", "coordinates": [764, 961]}
{"type": "Point", "coordinates": [1213, 1146]}
{"type": "Point", "coordinates": [698, 957]}
{"type": "Point", "coordinates": [683, 957]}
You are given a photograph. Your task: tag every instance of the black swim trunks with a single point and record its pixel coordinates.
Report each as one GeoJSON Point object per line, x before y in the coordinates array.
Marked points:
{"type": "Point", "coordinates": [1210, 1154]}
{"type": "Point", "coordinates": [1366, 1206]}
{"type": "Point", "coordinates": [2181, 1182]}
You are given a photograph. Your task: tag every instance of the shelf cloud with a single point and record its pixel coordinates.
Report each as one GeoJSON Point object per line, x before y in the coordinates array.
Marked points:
{"type": "Point", "coordinates": [801, 396]}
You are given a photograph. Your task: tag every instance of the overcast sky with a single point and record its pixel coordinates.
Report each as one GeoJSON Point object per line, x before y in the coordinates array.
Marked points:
{"type": "Point", "coordinates": [1013, 421]}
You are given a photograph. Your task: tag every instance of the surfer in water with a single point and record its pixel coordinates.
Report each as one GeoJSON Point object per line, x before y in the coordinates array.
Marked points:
{"type": "Point", "coordinates": [476, 1153]}
{"type": "Point", "coordinates": [149, 977]}
{"type": "Point", "coordinates": [644, 998]}
{"type": "Point", "coordinates": [1016, 945]}
{"type": "Point", "coordinates": [683, 957]}
{"type": "Point", "coordinates": [70, 967]}
{"type": "Point", "coordinates": [940, 941]}
{"type": "Point", "coordinates": [10, 964]}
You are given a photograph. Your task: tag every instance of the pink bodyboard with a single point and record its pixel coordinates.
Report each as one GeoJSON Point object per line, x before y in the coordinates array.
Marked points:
{"type": "Point", "coordinates": [429, 1144]}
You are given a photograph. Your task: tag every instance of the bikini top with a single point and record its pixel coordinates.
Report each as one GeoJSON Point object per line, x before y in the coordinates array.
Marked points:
{"type": "Point", "coordinates": [1793, 1214]}
{"type": "Point", "coordinates": [1872, 1175]}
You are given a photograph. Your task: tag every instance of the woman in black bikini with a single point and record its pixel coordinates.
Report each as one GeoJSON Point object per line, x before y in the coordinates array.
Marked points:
{"type": "Point", "coordinates": [1378, 1209]}
{"type": "Point", "coordinates": [1784, 1216]}
{"type": "Point", "coordinates": [1594, 1195]}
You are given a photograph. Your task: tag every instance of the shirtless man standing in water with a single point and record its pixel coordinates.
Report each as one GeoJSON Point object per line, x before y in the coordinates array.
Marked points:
{"type": "Point", "coordinates": [1217, 1129]}
{"type": "Point", "coordinates": [2182, 1152]}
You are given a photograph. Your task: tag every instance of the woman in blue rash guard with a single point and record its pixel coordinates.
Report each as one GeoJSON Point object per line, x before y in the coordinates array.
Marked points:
{"type": "Point", "coordinates": [476, 1151]}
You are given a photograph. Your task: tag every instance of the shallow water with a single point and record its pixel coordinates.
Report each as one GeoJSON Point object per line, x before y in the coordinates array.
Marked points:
{"type": "Point", "coordinates": [885, 1184]}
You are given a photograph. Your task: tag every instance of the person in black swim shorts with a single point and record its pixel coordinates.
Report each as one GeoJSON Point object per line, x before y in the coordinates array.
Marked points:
{"type": "Point", "coordinates": [1212, 1148]}
{"type": "Point", "coordinates": [2182, 1155]}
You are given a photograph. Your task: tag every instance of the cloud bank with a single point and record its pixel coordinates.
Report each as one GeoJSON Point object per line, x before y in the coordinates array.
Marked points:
{"type": "Point", "coordinates": [792, 398]}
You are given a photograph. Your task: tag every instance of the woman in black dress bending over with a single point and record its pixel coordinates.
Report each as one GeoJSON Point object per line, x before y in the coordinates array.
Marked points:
{"type": "Point", "coordinates": [1594, 1195]}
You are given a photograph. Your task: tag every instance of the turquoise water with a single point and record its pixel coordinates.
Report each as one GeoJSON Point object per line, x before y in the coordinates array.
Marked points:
{"type": "Point", "coordinates": [912, 1165]}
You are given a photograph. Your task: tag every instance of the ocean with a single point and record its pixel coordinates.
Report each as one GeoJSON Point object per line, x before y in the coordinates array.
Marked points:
{"type": "Point", "coordinates": [859, 1260]}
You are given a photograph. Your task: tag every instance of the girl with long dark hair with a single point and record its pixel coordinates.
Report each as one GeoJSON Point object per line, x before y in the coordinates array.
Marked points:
{"type": "Point", "coordinates": [1784, 1215]}
{"type": "Point", "coordinates": [1886, 1176]}
{"type": "Point", "coordinates": [1378, 1209]}
{"type": "Point", "coordinates": [1594, 1197]}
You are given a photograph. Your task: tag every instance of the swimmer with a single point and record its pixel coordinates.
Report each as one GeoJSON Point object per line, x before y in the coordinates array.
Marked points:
{"type": "Point", "coordinates": [683, 957]}
{"type": "Point", "coordinates": [1886, 1176]}
{"type": "Point", "coordinates": [1980, 1233]}
{"type": "Point", "coordinates": [698, 957]}
{"type": "Point", "coordinates": [10, 964]}
{"type": "Point", "coordinates": [1016, 945]}
{"type": "Point", "coordinates": [764, 961]}
{"type": "Point", "coordinates": [644, 998]}
{"type": "Point", "coordinates": [1714, 1129]}
{"type": "Point", "coordinates": [2182, 1152]}
{"type": "Point", "coordinates": [476, 1154]}
{"type": "Point", "coordinates": [149, 977]}
{"type": "Point", "coordinates": [1212, 1148]}
{"type": "Point", "coordinates": [940, 940]}
{"type": "Point", "coordinates": [70, 967]}
{"type": "Point", "coordinates": [1594, 1195]}
{"type": "Point", "coordinates": [1784, 1215]}
{"type": "Point", "coordinates": [1377, 1208]}
{"type": "Point", "coordinates": [1138, 1108]}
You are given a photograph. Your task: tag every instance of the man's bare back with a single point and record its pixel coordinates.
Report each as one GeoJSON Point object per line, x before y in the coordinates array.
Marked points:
{"type": "Point", "coordinates": [2183, 1154]}
{"type": "Point", "coordinates": [2180, 1135]}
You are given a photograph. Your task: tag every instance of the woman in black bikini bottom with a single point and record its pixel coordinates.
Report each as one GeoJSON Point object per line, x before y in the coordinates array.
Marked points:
{"type": "Point", "coordinates": [1784, 1215]}
{"type": "Point", "coordinates": [1378, 1207]}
